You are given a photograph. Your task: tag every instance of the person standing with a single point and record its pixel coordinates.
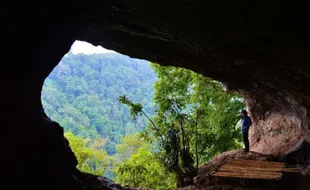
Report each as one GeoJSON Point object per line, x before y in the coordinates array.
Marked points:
{"type": "Point", "coordinates": [245, 126]}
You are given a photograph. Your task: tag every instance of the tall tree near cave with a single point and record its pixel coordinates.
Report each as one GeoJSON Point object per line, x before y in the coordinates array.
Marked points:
{"type": "Point", "coordinates": [195, 119]}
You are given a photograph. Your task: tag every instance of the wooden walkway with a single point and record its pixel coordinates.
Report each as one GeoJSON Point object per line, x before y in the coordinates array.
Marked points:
{"type": "Point", "coordinates": [251, 169]}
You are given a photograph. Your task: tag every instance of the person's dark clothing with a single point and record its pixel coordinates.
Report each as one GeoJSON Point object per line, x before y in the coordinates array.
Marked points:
{"type": "Point", "coordinates": [246, 142]}
{"type": "Point", "coordinates": [246, 123]}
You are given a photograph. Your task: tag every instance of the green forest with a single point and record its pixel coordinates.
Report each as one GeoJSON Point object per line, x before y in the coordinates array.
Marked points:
{"type": "Point", "coordinates": [139, 123]}
{"type": "Point", "coordinates": [81, 94]}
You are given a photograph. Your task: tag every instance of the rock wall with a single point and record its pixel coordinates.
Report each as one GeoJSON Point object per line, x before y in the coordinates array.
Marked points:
{"type": "Point", "coordinates": [280, 124]}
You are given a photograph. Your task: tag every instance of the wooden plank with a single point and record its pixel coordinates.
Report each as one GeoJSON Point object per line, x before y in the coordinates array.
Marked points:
{"type": "Point", "coordinates": [254, 172]}
{"type": "Point", "coordinates": [255, 161]}
{"type": "Point", "coordinates": [258, 173]}
{"type": "Point", "coordinates": [216, 166]}
{"type": "Point", "coordinates": [238, 168]}
{"type": "Point", "coordinates": [270, 166]}
{"type": "Point", "coordinates": [250, 175]}
{"type": "Point", "coordinates": [291, 170]}
{"type": "Point", "coordinates": [254, 164]}
{"type": "Point", "coordinates": [252, 169]}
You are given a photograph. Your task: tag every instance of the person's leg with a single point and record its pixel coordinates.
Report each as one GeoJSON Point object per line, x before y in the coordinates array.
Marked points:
{"type": "Point", "coordinates": [246, 140]}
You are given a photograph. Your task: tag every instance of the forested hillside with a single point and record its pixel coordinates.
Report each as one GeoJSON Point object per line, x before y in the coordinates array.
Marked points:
{"type": "Point", "coordinates": [81, 94]}
{"type": "Point", "coordinates": [140, 123]}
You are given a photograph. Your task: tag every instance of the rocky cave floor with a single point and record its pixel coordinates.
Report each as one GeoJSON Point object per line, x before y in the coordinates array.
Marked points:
{"type": "Point", "coordinates": [300, 180]}
{"type": "Point", "coordinates": [296, 181]}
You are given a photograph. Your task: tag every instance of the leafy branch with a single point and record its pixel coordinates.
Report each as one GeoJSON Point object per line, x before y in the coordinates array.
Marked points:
{"type": "Point", "coordinates": [137, 108]}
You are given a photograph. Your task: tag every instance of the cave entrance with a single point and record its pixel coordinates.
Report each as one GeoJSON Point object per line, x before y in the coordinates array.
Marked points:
{"type": "Point", "coordinates": [93, 92]}
{"type": "Point", "coordinates": [81, 94]}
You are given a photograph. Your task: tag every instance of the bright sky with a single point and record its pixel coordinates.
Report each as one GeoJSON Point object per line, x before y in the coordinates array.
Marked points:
{"type": "Point", "coordinates": [87, 48]}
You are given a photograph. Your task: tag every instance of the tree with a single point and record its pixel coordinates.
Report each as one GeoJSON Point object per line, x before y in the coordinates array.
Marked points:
{"type": "Point", "coordinates": [129, 145]}
{"type": "Point", "coordinates": [191, 118]}
{"type": "Point", "coordinates": [176, 156]}
{"type": "Point", "coordinates": [194, 116]}
{"type": "Point", "coordinates": [81, 94]}
{"type": "Point", "coordinates": [210, 114]}
{"type": "Point", "coordinates": [90, 160]}
{"type": "Point", "coordinates": [143, 169]}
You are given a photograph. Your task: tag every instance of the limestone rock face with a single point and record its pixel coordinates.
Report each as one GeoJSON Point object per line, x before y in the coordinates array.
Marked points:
{"type": "Point", "coordinates": [258, 48]}
{"type": "Point", "coordinates": [280, 125]}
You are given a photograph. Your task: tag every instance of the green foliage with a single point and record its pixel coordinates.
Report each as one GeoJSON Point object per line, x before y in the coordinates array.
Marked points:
{"type": "Point", "coordinates": [173, 150]}
{"type": "Point", "coordinates": [198, 105]}
{"type": "Point", "coordinates": [190, 119]}
{"type": "Point", "coordinates": [90, 160]}
{"type": "Point", "coordinates": [81, 94]}
{"type": "Point", "coordinates": [129, 145]}
{"type": "Point", "coordinates": [194, 116]}
{"type": "Point", "coordinates": [143, 169]}
{"type": "Point", "coordinates": [135, 109]}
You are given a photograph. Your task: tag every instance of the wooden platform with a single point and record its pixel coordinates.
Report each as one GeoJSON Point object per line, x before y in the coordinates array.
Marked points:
{"type": "Point", "coordinates": [251, 169]}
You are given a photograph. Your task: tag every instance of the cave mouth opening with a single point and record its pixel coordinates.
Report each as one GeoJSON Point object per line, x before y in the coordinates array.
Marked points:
{"type": "Point", "coordinates": [81, 94]}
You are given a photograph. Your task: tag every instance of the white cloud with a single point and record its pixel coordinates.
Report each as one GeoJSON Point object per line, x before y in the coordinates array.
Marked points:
{"type": "Point", "coordinates": [87, 48]}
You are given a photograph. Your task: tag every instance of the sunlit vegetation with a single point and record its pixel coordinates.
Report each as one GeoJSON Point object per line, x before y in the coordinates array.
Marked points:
{"type": "Point", "coordinates": [195, 120]}
{"type": "Point", "coordinates": [139, 123]}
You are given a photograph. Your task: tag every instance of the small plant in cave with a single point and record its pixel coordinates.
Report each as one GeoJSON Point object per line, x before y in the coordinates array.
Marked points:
{"type": "Point", "coordinates": [195, 120]}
